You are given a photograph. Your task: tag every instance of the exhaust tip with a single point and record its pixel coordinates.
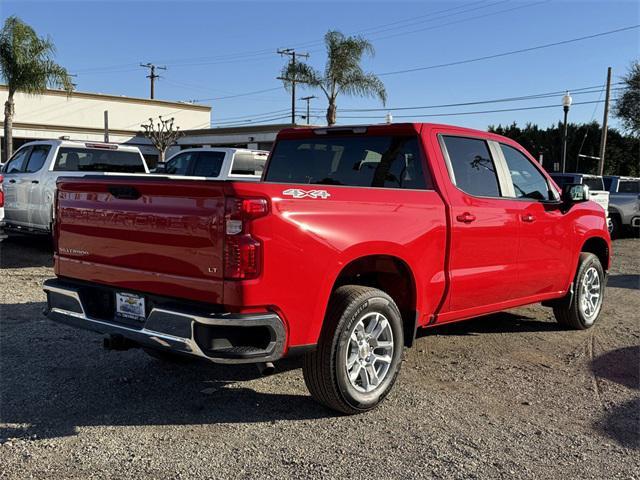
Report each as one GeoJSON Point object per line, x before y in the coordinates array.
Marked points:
{"type": "Point", "coordinates": [266, 368]}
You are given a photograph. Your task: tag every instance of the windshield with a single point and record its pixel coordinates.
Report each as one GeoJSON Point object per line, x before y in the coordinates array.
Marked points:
{"type": "Point", "coordinates": [97, 160]}
{"type": "Point", "coordinates": [364, 161]}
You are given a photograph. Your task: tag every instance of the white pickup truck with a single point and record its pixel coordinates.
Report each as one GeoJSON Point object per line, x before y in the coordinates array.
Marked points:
{"type": "Point", "coordinates": [216, 162]}
{"type": "Point", "coordinates": [29, 177]}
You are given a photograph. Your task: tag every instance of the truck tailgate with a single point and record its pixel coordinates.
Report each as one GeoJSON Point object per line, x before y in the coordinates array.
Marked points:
{"type": "Point", "coordinates": [142, 233]}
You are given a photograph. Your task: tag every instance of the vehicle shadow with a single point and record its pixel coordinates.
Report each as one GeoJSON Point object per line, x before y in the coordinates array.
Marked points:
{"type": "Point", "coordinates": [631, 281]}
{"type": "Point", "coordinates": [55, 379]}
{"type": "Point", "coordinates": [20, 251]}
{"type": "Point", "coordinates": [621, 422]}
{"type": "Point", "coordinates": [502, 322]}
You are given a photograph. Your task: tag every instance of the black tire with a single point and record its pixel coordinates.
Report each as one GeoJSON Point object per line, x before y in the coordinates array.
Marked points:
{"type": "Point", "coordinates": [325, 369]}
{"type": "Point", "coordinates": [571, 313]}
{"type": "Point", "coordinates": [616, 227]}
{"type": "Point", "coordinates": [167, 356]}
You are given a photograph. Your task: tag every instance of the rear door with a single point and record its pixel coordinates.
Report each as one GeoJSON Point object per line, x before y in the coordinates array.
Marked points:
{"type": "Point", "coordinates": [484, 227]}
{"type": "Point", "coordinates": [546, 240]}
{"type": "Point", "coordinates": [16, 192]}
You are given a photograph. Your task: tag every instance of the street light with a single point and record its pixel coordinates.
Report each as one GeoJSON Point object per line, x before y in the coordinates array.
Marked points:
{"type": "Point", "coordinates": [566, 103]}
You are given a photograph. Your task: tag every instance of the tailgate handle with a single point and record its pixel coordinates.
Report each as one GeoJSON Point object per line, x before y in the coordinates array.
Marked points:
{"type": "Point", "coordinates": [124, 192]}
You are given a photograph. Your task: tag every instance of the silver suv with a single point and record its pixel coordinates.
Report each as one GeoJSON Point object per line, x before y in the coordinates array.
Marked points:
{"type": "Point", "coordinates": [624, 202]}
{"type": "Point", "coordinates": [29, 177]}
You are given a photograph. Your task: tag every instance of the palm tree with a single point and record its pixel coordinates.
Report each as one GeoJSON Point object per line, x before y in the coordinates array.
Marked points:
{"type": "Point", "coordinates": [26, 65]}
{"type": "Point", "coordinates": [342, 73]}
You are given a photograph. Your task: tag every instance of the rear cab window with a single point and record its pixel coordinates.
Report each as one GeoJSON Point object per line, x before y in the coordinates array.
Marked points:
{"type": "Point", "coordinates": [472, 167]}
{"type": "Point", "coordinates": [72, 159]}
{"type": "Point", "coordinates": [381, 161]}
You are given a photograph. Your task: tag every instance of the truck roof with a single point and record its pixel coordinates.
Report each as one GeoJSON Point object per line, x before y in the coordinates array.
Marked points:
{"type": "Point", "coordinates": [84, 144]}
{"type": "Point", "coordinates": [389, 128]}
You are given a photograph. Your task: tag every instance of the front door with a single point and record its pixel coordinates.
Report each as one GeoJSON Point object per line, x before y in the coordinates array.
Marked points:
{"type": "Point", "coordinates": [544, 253]}
{"type": "Point", "coordinates": [484, 227]}
{"type": "Point", "coordinates": [16, 196]}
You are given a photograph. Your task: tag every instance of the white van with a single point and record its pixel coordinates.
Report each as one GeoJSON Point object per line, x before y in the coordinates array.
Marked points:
{"type": "Point", "coordinates": [29, 177]}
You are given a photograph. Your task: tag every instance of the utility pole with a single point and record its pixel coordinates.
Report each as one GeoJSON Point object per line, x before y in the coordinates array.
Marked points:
{"type": "Point", "coordinates": [293, 54]}
{"type": "Point", "coordinates": [308, 100]}
{"type": "Point", "coordinates": [106, 126]}
{"type": "Point", "coordinates": [152, 75]}
{"type": "Point", "coordinates": [605, 121]}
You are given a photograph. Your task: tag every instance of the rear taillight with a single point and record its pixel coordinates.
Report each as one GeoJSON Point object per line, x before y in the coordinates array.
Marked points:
{"type": "Point", "coordinates": [1, 192]}
{"type": "Point", "coordinates": [242, 252]}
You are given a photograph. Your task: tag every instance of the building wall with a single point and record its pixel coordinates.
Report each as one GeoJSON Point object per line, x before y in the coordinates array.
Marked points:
{"type": "Point", "coordinates": [80, 116]}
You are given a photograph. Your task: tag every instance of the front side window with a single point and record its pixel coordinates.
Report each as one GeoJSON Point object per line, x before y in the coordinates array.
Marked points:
{"type": "Point", "coordinates": [97, 160]}
{"type": "Point", "coordinates": [359, 161]}
{"type": "Point", "coordinates": [527, 180]}
{"type": "Point", "coordinates": [472, 165]}
{"type": "Point", "coordinates": [208, 164]}
{"type": "Point", "coordinates": [38, 155]}
{"type": "Point", "coordinates": [629, 186]}
{"type": "Point", "coordinates": [179, 165]}
{"type": "Point", "coordinates": [18, 162]}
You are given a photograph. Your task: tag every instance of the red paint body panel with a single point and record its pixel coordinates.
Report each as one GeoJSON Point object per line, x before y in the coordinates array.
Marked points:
{"type": "Point", "coordinates": [170, 241]}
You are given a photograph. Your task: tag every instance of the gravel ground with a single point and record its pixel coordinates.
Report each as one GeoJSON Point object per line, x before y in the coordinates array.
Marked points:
{"type": "Point", "coordinates": [510, 395]}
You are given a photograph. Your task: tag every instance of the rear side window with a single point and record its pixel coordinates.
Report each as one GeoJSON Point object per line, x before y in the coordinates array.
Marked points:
{"type": "Point", "coordinates": [472, 165]}
{"type": "Point", "coordinates": [97, 160]}
{"type": "Point", "coordinates": [594, 183]}
{"type": "Point", "coordinates": [629, 186]}
{"type": "Point", "coordinates": [208, 164]}
{"type": "Point", "coordinates": [18, 162]}
{"type": "Point", "coordinates": [359, 161]}
{"type": "Point", "coordinates": [39, 154]}
{"type": "Point", "coordinates": [247, 163]}
{"type": "Point", "coordinates": [179, 165]}
{"type": "Point", "coordinates": [528, 182]}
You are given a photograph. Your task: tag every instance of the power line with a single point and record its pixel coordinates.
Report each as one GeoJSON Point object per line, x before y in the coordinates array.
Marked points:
{"type": "Point", "coordinates": [255, 92]}
{"type": "Point", "coordinates": [453, 114]}
{"type": "Point", "coordinates": [578, 91]}
{"type": "Point", "coordinates": [512, 52]}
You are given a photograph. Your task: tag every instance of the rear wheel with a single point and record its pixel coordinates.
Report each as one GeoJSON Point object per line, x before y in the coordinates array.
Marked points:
{"type": "Point", "coordinates": [359, 352]}
{"type": "Point", "coordinates": [615, 226]}
{"type": "Point", "coordinates": [582, 311]}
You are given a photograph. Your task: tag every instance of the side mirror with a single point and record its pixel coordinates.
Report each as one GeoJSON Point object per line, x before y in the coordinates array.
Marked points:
{"type": "Point", "coordinates": [574, 193]}
{"type": "Point", "coordinates": [161, 167]}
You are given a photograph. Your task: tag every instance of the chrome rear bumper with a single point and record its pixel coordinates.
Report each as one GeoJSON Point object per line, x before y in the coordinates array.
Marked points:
{"type": "Point", "coordinates": [218, 337]}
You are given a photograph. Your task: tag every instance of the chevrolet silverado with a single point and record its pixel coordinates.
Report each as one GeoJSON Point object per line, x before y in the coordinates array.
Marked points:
{"type": "Point", "coordinates": [355, 238]}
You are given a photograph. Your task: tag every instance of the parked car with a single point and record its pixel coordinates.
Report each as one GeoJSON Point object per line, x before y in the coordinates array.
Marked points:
{"type": "Point", "coordinates": [597, 191]}
{"type": "Point", "coordinates": [31, 173]}
{"type": "Point", "coordinates": [2, 235]}
{"type": "Point", "coordinates": [355, 237]}
{"type": "Point", "coordinates": [218, 163]}
{"type": "Point", "coordinates": [624, 203]}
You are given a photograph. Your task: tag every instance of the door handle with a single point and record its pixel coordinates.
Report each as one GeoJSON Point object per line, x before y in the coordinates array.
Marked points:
{"type": "Point", "coordinates": [527, 217]}
{"type": "Point", "coordinates": [35, 181]}
{"type": "Point", "coordinates": [12, 181]}
{"type": "Point", "coordinates": [466, 217]}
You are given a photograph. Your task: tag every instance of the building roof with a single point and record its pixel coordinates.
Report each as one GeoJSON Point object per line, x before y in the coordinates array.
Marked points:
{"type": "Point", "coordinates": [122, 98]}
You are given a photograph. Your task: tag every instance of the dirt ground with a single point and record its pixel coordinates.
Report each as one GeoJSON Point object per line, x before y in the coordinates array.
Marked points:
{"type": "Point", "coordinates": [510, 395]}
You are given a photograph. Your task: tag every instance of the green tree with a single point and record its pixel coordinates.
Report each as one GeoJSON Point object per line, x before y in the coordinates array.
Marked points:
{"type": "Point", "coordinates": [628, 105]}
{"type": "Point", "coordinates": [342, 73]}
{"type": "Point", "coordinates": [26, 65]}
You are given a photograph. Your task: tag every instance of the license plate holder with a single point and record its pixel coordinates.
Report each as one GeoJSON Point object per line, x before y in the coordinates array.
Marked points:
{"type": "Point", "coordinates": [131, 306]}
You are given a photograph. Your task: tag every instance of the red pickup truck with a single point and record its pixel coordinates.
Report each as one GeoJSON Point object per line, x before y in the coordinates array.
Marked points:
{"type": "Point", "coordinates": [354, 238]}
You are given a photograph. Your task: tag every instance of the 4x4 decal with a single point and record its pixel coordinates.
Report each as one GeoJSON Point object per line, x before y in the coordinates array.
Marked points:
{"type": "Point", "coordinates": [299, 193]}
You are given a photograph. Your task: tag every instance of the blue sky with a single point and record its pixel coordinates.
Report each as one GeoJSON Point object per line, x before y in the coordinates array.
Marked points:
{"type": "Point", "coordinates": [217, 49]}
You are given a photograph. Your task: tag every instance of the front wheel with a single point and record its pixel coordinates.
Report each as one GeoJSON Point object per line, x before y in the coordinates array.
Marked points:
{"type": "Point", "coordinates": [582, 311]}
{"type": "Point", "coordinates": [359, 352]}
